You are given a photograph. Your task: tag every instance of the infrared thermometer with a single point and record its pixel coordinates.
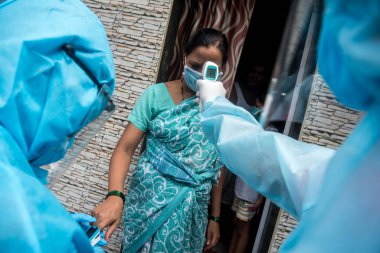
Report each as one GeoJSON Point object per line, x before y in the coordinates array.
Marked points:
{"type": "Point", "coordinates": [210, 71]}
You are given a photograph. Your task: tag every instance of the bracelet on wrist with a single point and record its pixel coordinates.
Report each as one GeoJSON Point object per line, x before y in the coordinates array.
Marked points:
{"type": "Point", "coordinates": [117, 193]}
{"type": "Point", "coordinates": [214, 218]}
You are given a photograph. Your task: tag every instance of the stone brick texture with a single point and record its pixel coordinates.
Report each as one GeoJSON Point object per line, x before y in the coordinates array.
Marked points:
{"type": "Point", "coordinates": [136, 30]}
{"type": "Point", "coordinates": [327, 123]}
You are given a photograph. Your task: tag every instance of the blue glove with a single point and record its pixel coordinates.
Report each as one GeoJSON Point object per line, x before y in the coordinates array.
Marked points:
{"type": "Point", "coordinates": [98, 247]}
{"type": "Point", "coordinates": [84, 221]}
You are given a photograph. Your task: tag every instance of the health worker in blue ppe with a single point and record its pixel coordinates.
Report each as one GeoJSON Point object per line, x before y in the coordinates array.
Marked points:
{"type": "Point", "coordinates": [56, 76]}
{"type": "Point", "coordinates": [333, 195]}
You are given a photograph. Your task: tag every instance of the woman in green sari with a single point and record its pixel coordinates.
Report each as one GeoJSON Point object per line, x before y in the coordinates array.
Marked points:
{"type": "Point", "coordinates": [166, 209]}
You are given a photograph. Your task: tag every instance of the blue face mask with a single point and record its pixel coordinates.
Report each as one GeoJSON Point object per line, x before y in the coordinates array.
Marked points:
{"type": "Point", "coordinates": [53, 152]}
{"type": "Point", "coordinates": [191, 77]}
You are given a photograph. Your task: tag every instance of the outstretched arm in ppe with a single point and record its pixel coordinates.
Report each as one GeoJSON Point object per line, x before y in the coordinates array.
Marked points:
{"type": "Point", "coordinates": [109, 212]}
{"type": "Point", "coordinates": [286, 171]}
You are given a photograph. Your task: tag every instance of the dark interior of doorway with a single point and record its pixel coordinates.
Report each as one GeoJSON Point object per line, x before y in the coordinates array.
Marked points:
{"type": "Point", "coordinates": [262, 44]}
{"type": "Point", "coordinates": [259, 55]}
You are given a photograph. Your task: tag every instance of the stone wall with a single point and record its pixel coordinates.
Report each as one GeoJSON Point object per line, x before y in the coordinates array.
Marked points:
{"type": "Point", "coordinates": [136, 30]}
{"type": "Point", "coordinates": [327, 123]}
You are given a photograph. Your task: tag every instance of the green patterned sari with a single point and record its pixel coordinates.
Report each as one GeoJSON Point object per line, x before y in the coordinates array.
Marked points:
{"type": "Point", "coordinates": [166, 206]}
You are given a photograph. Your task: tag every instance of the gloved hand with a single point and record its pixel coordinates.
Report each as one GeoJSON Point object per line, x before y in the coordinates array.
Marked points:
{"type": "Point", "coordinates": [98, 247]}
{"type": "Point", "coordinates": [84, 221]}
{"type": "Point", "coordinates": [208, 91]}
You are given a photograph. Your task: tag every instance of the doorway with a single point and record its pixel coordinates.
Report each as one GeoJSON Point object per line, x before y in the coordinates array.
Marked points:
{"type": "Point", "coordinates": [253, 76]}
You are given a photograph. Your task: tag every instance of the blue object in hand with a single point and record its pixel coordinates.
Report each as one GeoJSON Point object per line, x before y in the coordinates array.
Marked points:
{"type": "Point", "coordinates": [84, 221]}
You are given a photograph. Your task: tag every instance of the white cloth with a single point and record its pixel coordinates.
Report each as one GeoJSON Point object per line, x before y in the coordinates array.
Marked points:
{"type": "Point", "coordinates": [244, 191]}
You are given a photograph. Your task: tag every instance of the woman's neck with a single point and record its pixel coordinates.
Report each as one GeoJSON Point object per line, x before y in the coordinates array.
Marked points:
{"type": "Point", "coordinates": [186, 91]}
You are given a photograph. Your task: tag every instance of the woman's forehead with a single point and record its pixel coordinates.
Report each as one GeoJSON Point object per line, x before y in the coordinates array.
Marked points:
{"type": "Point", "coordinates": [203, 54]}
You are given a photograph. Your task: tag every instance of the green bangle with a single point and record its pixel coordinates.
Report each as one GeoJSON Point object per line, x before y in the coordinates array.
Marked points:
{"type": "Point", "coordinates": [116, 193]}
{"type": "Point", "coordinates": [214, 218]}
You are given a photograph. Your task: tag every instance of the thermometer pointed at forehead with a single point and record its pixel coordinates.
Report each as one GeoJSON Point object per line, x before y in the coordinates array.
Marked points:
{"type": "Point", "coordinates": [210, 71]}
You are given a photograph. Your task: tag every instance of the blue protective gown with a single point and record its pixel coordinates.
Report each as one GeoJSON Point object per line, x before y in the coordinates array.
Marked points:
{"type": "Point", "coordinates": [334, 196]}
{"type": "Point", "coordinates": [44, 98]}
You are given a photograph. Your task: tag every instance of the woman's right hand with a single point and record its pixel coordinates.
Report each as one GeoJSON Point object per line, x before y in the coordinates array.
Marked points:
{"type": "Point", "coordinates": [109, 214]}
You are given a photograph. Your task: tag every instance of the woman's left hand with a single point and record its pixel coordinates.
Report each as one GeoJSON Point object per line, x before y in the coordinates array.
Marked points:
{"type": "Point", "coordinates": [212, 235]}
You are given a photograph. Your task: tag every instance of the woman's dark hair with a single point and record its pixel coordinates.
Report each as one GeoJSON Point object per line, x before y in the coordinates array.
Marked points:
{"type": "Point", "coordinates": [207, 37]}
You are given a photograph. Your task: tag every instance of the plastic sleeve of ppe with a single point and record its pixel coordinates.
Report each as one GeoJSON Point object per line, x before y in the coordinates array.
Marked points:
{"type": "Point", "coordinates": [287, 171]}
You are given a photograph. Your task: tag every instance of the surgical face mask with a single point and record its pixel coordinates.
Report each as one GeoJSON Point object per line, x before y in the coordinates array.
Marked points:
{"type": "Point", "coordinates": [97, 115]}
{"type": "Point", "coordinates": [191, 77]}
{"type": "Point", "coordinates": [53, 152]}
{"type": "Point", "coordinates": [64, 155]}
{"type": "Point", "coordinates": [57, 157]}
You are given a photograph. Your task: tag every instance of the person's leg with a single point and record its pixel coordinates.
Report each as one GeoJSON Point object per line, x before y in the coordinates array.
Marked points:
{"type": "Point", "coordinates": [243, 235]}
{"type": "Point", "coordinates": [242, 225]}
{"type": "Point", "coordinates": [235, 237]}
